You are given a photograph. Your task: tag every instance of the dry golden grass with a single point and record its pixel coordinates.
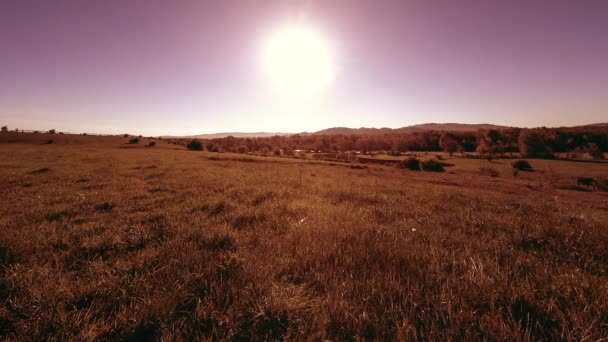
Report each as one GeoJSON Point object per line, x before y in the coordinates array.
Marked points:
{"type": "Point", "coordinates": [101, 242]}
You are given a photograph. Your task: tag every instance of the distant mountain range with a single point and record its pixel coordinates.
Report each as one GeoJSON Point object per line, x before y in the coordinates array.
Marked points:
{"type": "Point", "coordinates": [233, 134]}
{"type": "Point", "coordinates": [411, 129]}
{"type": "Point", "coordinates": [455, 127]}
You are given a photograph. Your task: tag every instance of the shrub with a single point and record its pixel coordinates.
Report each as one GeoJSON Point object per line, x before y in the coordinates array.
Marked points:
{"type": "Point", "coordinates": [48, 142]}
{"type": "Point", "coordinates": [125, 135]}
{"type": "Point", "coordinates": [242, 149]}
{"type": "Point", "coordinates": [432, 165]}
{"type": "Point", "coordinates": [410, 163]}
{"type": "Point", "coordinates": [151, 144]}
{"type": "Point", "coordinates": [489, 171]}
{"type": "Point", "coordinates": [52, 131]}
{"type": "Point", "coordinates": [522, 165]}
{"type": "Point", "coordinates": [134, 141]}
{"type": "Point", "coordinates": [195, 145]}
{"type": "Point", "coordinates": [4, 129]}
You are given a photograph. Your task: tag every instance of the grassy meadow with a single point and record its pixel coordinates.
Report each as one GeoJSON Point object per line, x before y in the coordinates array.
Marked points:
{"type": "Point", "coordinates": [102, 240]}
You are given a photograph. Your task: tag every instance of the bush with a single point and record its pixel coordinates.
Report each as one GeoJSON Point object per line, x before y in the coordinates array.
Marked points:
{"type": "Point", "coordinates": [52, 131]}
{"type": "Point", "coordinates": [522, 165]}
{"type": "Point", "coordinates": [432, 165]}
{"type": "Point", "coordinates": [134, 141]}
{"type": "Point", "coordinates": [4, 129]}
{"type": "Point", "coordinates": [410, 163]}
{"type": "Point", "coordinates": [195, 145]}
{"type": "Point", "coordinates": [151, 144]}
{"type": "Point", "coordinates": [48, 142]}
{"type": "Point", "coordinates": [242, 149]}
{"type": "Point", "coordinates": [489, 171]}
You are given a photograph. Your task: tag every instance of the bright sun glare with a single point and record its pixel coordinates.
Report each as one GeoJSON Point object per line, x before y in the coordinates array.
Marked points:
{"type": "Point", "coordinates": [298, 62]}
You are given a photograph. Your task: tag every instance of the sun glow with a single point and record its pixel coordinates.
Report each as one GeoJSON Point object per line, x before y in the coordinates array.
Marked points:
{"type": "Point", "coordinates": [298, 62]}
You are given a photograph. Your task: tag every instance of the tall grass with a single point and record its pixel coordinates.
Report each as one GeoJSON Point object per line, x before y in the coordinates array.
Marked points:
{"type": "Point", "coordinates": [158, 244]}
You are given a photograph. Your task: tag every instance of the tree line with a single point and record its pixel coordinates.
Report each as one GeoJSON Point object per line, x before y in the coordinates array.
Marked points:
{"type": "Point", "coordinates": [535, 143]}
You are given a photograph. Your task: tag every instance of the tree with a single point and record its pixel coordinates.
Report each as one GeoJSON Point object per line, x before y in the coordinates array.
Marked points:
{"type": "Point", "coordinates": [194, 145]}
{"type": "Point", "coordinates": [449, 143]}
{"type": "Point", "coordinates": [594, 151]}
{"type": "Point", "coordinates": [4, 129]}
{"type": "Point", "coordinates": [490, 143]}
{"type": "Point", "coordinates": [532, 145]}
{"type": "Point", "coordinates": [52, 131]}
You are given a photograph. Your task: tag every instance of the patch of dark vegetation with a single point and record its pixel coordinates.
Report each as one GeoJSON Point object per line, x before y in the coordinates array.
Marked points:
{"type": "Point", "coordinates": [104, 207]}
{"type": "Point", "coordinates": [82, 180]}
{"type": "Point", "coordinates": [153, 176]}
{"type": "Point", "coordinates": [533, 318]}
{"type": "Point", "coordinates": [134, 141]}
{"type": "Point", "coordinates": [585, 183]}
{"type": "Point", "coordinates": [270, 324]}
{"type": "Point", "coordinates": [263, 198]}
{"type": "Point", "coordinates": [219, 241]}
{"type": "Point", "coordinates": [194, 145]}
{"type": "Point", "coordinates": [140, 331]}
{"type": "Point", "coordinates": [80, 303]}
{"type": "Point", "coordinates": [213, 209]}
{"type": "Point", "coordinates": [522, 165]}
{"type": "Point", "coordinates": [358, 167]}
{"type": "Point", "coordinates": [489, 171]}
{"type": "Point", "coordinates": [56, 216]}
{"type": "Point", "coordinates": [7, 257]}
{"type": "Point", "coordinates": [48, 142]}
{"type": "Point", "coordinates": [60, 246]}
{"type": "Point", "coordinates": [27, 185]}
{"type": "Point", "coordinates": [93, 187]}
{"type": "Point", "coordinates": [150, 167]}
{"type": "Point", "coordinates": [602, 183]}
{"type": "Point", "coordinates": [410, 163]}
{"type": "Point", "coordinates": [79, 221]}
{"type": "Point", "coordinates": [158, 225]}
{"type": "Point", "coordinates": [158, 189]}
{"type": "Point", "coordinates": [151, 144]}
{"type": "Point", "coordinates": [40, 171]}
{"type": "Point", "coordinates": [432, 165]}
{"type": "Point", "coordinates": [248, 220]}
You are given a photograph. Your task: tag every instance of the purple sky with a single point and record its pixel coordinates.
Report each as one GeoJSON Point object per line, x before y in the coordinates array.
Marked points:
{"type": "Point", "coordinates": [187, 67]}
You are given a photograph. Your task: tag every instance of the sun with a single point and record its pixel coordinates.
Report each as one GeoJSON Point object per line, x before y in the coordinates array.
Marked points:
{"type": "Point", "coordinates": [297, 62]}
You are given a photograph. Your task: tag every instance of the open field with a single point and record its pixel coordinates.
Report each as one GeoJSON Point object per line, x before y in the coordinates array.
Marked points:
{"type": "Point", "coordinates": [100, 240]}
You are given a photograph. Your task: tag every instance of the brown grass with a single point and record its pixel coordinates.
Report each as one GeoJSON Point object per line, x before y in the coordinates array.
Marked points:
{"type": "Point", "coordinates": [112, 243]}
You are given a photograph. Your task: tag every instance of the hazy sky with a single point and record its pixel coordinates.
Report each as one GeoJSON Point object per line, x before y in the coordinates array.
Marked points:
{"type": "Point", "coordinates": [185, 67]}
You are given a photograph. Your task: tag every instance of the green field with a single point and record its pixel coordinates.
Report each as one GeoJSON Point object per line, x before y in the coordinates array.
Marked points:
{"type": "Point", "coordinates": [102, 240]}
